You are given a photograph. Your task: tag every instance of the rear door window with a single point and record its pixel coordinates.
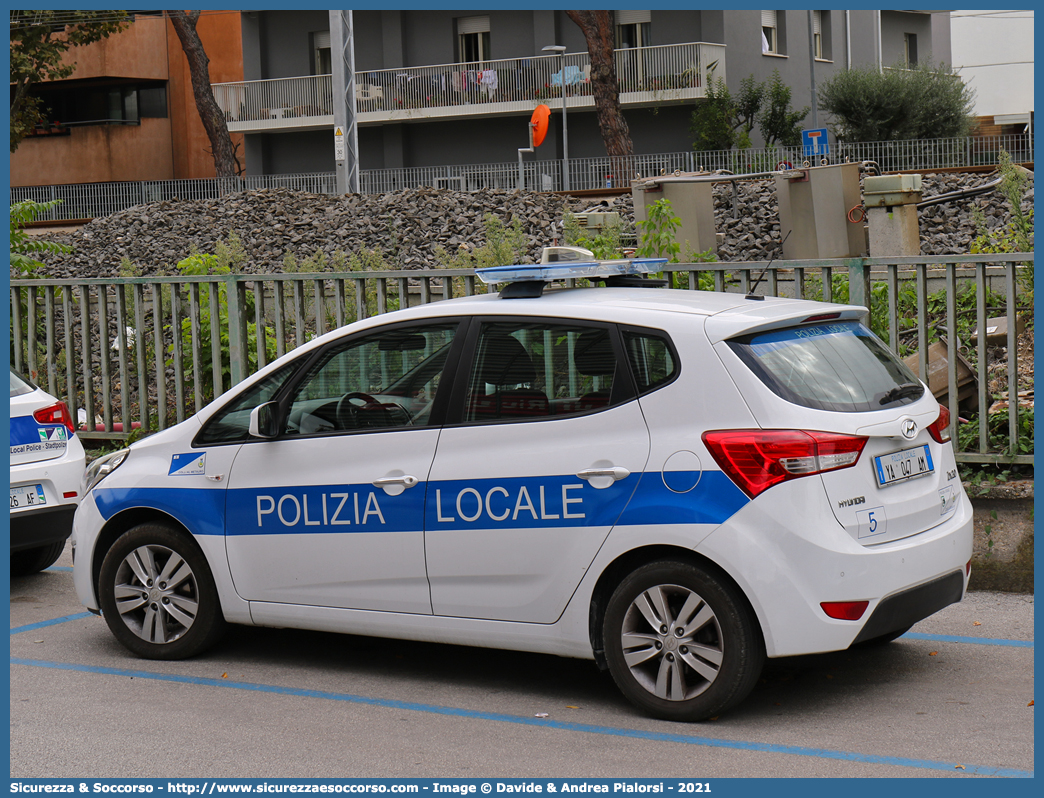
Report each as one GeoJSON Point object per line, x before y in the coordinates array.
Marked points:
{"type": "Point", "coordinates": [839, 366]}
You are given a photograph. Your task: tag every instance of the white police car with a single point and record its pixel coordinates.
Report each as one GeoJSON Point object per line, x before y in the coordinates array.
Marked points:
{"type": "Point", "coordinates": [675, 484]}
{"type": "Point", "coordinates": [47, 463]}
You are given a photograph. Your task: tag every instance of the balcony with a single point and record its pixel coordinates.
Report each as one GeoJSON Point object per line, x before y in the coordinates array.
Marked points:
{"type": "Point", "coordinates": [674, 73]}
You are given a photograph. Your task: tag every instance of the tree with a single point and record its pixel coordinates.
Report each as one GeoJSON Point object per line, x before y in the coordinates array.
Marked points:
{"type": "Point", "coordinates": [713, 125]}
{"type": "Point", "coordinates": [39, 43]}
{"type": "Point", "coordinates": [778, 124]}
{"type": "Point", "coordinates": [718, 117]}
{"type": "Point", "coordinates": [210, 112]}
{"type": "Point", "coordinates": [896, 104]}
{"type": "Point", "coordinates": [598, 30]}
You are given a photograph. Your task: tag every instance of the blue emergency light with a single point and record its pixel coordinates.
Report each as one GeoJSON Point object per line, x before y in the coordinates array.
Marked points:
{"type": "Point", "coordinates": [528, 280]}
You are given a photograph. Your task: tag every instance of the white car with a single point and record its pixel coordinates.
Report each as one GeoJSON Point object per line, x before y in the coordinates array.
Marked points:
{"type": "Point", "coordinates": [675, 484]}
{"type": "Point", "coordinates": [47, 466]}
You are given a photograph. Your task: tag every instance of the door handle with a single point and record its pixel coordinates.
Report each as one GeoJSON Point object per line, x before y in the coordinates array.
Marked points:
{"type": "Point", "coordinates": [616, 472]}
{"type": "Point", "coordinates": [407, 481]}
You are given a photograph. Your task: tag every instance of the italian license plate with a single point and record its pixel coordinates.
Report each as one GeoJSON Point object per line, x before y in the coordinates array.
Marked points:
{"type": "Point", "coordinates": [27, 496]}
{"type": "Point", "coordinates": [903, 465]}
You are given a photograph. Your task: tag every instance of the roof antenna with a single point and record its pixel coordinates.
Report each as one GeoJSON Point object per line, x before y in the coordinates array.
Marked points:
{"type": "Point", "coordinates": [750, 293]}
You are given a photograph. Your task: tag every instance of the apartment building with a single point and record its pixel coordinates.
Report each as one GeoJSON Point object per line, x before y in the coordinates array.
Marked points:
{"type": "Point", "coordinates": [438, 87]}
{"type": "Point", "coordinates": [993, 51]}
{"type": "Point", "coordinates": [127, 112]}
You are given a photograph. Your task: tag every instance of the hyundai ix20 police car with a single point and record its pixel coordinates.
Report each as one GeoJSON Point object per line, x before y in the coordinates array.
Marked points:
{"type": "Point", "coordinates": [675, 484]}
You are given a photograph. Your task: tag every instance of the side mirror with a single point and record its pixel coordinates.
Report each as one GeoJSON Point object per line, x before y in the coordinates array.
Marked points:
{"type": "Point", "coordinates": [263, 420]}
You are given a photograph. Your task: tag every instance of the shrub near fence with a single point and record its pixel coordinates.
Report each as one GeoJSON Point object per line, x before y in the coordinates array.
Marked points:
{"type": "Point", "coordinates": [146, 353]}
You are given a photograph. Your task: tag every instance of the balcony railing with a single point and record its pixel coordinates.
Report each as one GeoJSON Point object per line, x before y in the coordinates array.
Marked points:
{"type": "Point", "coordinates": [647, 75]}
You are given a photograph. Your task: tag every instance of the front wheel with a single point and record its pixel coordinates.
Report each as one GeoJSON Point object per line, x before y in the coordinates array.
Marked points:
{"type": "Point", "coordinates": [157, 594]}
{"type": "Point", "coordinates": [680, 641]}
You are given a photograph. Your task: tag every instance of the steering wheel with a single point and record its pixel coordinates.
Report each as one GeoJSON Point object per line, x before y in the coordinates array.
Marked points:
{"type": "Point", "coordinates": [347, 410]}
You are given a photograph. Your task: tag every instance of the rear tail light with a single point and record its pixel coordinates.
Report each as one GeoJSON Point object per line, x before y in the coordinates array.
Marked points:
{"type": "Point", "coordinates": [55, 414]}
{"type": "Point", "coordinates": [940, 428]}
{"type": "Point", "coordinates": [845, 610]}
{"type": "Point", "coordinates": [757, 459]}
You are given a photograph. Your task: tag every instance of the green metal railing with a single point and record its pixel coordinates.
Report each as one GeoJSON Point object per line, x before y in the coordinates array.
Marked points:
{"type": "Point", "coordinates": [142, 353]}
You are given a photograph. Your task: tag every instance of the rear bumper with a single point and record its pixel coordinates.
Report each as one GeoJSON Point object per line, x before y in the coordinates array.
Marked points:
{"type": "Point", "coordinates": [31, 529]}
{"type": "Point", "coordinates": [788, 554]}
{"type": "Point", "coordinates": [904, 609]}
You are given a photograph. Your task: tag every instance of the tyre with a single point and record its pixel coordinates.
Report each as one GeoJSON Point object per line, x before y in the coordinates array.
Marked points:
{"type": "Point", "coordinates": [32, 560]}
{"type": "Point", "coordinates": [681, 642]}
{"type": "Point", "coordinates": [157, 594]}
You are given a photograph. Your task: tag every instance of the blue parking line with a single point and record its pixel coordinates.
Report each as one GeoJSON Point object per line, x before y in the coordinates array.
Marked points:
{"type": "Point", "coordinates": [710, 742]}
{"type": "Point", "coordinates": [979, 641]}
{"type": "Point", "coordinates": [52, 622]}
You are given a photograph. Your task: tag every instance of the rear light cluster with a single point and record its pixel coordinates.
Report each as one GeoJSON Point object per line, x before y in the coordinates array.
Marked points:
{"type": "Point", "coordinates": [757, 459]}
{"type": "Point", "coordinates": [55, 414]}
{"type": "Point", "coordinates": [940, 428]}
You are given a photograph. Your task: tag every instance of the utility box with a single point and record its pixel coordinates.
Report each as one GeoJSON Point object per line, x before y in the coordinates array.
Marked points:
{"type": "Point", "coordinates": [882, 191]}
{"type": "Point", "coordinates": [891, 213]}
{"type": "Point", "coordinates": [597, 220]}
{"type": "Point", "coordinates": [691, 201]}
{"type": "Point", "coordinates": [814, 205]}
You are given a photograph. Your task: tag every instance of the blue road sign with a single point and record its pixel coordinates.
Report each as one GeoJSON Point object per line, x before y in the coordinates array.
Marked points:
{"type": "Point", "coordinates": [814, 142]}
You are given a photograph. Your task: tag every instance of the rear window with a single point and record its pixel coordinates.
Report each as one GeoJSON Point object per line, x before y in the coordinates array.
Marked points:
{"type": "Point", "coordinates": [839, 366]}
{"type": "Point", "coordinates": [19, 386]}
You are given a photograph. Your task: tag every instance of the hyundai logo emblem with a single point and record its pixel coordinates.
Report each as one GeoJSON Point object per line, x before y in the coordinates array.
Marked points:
{"type": "Point", "coordinates": [909, 428]}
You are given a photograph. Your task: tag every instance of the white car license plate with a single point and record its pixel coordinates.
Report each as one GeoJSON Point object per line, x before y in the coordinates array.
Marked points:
{"type": "Point", "coordinates": [903, 465]}
{"type": "Point", "coordinates": [27, 496]}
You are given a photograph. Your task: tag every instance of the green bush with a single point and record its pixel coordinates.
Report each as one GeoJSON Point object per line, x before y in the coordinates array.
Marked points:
{"type": "Point", "coordinates": [24, 246]}
{"type": "Point", "coordinates": [221, 262]}
{"type": "Point", "coordinates": [924, 102]}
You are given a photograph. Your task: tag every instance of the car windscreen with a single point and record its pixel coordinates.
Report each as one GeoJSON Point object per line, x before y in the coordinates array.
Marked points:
{"type": "Point", "coordinates": [19, 386]}
{"type": "Point", "coordinates": [840, 366]}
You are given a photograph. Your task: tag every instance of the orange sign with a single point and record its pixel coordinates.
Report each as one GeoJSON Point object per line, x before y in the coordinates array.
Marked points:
{"type": "Point", "coordinates": [540, 119]}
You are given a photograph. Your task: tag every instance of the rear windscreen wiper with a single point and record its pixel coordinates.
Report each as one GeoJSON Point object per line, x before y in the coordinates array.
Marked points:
{"type": "Point", "coordinates": [907, 390]}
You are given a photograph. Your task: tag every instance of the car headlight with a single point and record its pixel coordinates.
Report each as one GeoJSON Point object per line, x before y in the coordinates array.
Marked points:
{"type": "Point", "coordinates": [101, 468]}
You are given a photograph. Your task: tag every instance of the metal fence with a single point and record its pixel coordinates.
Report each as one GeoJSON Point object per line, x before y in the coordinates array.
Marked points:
{"type": "Point", "coordinates": [89, 200]}
{"type": "Point", "coordinates": [144, 353]}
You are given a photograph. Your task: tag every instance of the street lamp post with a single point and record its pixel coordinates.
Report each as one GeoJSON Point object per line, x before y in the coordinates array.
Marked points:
{"type": "Point", "coordinates": [560, 49]}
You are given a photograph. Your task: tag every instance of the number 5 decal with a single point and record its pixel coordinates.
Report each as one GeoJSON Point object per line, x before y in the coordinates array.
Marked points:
{"type": "Point", "coordinates": [871, 522]}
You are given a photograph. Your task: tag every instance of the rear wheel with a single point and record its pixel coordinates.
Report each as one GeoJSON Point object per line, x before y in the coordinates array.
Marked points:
{"type": "Point", "coordinates": [680, 641]}
{"type": "Point", "coordinates": [32, 560]}
{"type": "Point", "coordinates": [157, 594]}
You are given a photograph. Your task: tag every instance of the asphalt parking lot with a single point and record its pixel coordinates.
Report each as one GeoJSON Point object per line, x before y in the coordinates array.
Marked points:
{"type": "Point", "coordinates": [951, 699]}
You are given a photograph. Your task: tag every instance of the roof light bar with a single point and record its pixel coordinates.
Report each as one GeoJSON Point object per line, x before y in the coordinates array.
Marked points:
{"type": "Point", "coordinates": [548, 272]}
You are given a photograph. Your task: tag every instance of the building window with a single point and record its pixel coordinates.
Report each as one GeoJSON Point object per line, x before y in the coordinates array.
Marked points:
{"type": "Point", "coordinates": [72, 103]}
{"type": "Point", "coordinates": [632, 29]}
{"type": "Point", "coordinates": [322, 62]}
{"type": "Point", "coordinates": [821, 35]}
{"type": "Point", "coordinates": [910, 42]}
{"type": "Point", "coordinates": [473, 38]}
{"type": "Point", "coordinates": [771, 39]}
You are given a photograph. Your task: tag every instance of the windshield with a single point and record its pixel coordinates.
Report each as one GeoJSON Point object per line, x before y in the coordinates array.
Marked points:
{"type": "Point", "coordinates": [839, 366]}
